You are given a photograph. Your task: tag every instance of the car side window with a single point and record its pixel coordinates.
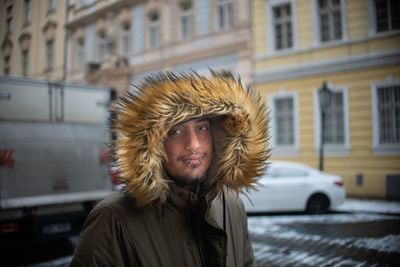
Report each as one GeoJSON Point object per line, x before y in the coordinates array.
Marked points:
{"type": "Point", "coordinates": [289, 172]}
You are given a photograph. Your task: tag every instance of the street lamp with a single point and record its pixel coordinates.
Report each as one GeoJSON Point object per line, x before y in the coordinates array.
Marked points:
{"type": "Point", "coordinates": [325, 96]}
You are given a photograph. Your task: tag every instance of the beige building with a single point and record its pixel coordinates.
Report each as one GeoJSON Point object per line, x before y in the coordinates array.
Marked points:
{"type": "Point", "coordinates": [117, 42]}
{"type": "Point", "coordinates": [32, 38]}
{"type": "Point", "coordinates": [353, 45]}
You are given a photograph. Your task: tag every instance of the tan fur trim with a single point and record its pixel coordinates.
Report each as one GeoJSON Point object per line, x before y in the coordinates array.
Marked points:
{"type": "Point", "coordinates": [164, 100]}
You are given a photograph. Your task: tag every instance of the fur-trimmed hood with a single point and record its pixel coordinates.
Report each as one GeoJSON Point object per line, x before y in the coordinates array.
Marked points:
{"type": "Point", "coordinates": [166, 99]}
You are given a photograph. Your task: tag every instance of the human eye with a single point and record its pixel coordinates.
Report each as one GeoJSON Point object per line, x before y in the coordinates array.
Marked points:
{"type": "Point", "coordinates": [203, 128]}
{"type": "Point", "coordinates": [175, 132]}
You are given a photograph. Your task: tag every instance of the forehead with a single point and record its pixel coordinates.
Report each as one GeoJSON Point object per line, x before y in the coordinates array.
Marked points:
{"type": "Point", "coordinates": [192, 122]}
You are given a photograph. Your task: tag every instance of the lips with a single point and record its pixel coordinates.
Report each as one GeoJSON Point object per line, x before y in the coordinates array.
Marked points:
{"type": "Point", "coordinates": [192, 161]}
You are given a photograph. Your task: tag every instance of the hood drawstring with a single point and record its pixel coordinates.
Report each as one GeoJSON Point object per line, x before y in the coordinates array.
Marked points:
{"type": "Point", "coordinates": [223, 210]}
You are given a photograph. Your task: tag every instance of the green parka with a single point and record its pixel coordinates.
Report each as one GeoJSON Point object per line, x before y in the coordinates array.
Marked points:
{"type": "Point", "coordinates": [153, 222]}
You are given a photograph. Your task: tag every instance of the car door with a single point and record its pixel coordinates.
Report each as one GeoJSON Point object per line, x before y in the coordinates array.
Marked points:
{"type": "Point", "coordinates": [280, 190]}
{"type": "Point", "coordinates": [291, 187]}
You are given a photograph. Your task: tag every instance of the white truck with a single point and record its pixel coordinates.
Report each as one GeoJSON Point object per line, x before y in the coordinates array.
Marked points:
{"type": "Point", "coordinates": [53, 157]}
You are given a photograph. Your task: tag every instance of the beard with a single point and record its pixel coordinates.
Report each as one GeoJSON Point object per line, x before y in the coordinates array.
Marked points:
{"type": "Point", "coordinates": [188, 182]}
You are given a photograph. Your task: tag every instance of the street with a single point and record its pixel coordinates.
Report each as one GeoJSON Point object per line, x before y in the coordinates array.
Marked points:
{"type": "Point", "coordinates": [356, 238]}
{"type": "Point", "coordinates": [353, 239]}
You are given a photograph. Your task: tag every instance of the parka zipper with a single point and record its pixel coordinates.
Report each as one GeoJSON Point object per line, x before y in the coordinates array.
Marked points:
{"type": "Point", "coordinates": [199, 247]}
{"type": "Point", "coordinates": [196, 222]}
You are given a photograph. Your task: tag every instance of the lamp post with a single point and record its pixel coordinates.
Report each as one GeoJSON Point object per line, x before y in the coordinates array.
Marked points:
{"type": "Point", "coordinates": [325, 96]}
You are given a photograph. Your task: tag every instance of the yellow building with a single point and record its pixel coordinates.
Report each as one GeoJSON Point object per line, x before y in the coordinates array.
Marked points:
{"type": "Point", "coordinates": [32, 38]}
{"type": "Point", "coordinates": [353, 45]}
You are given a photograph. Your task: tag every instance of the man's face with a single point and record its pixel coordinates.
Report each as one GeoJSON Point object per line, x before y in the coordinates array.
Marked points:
{"type": "Point", "coordinates": [188, 147]}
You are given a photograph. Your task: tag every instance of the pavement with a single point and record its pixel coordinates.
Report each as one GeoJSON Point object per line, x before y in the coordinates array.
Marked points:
{"type": "Point", "coordinates": [361, 233]}
{"type": "Point", "coordinates": [370, 206]}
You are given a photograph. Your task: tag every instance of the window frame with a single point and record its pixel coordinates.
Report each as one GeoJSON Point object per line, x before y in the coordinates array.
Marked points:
{"type": "Point", "coordinates": [6, 65]}
{"type": "Point", "coordinates": [228, 11]}
{"type": "Point", "coordinates": [9, 24]}
{"type": "Point", "coordinates": [52, 5]}
{"type": "Point", "coordinates": [25, 62]}
{"type": "Point", "coordinates": [189, 15]}
{"type": "Point", "coordinates": [103, 43]}
{"type": "Point", "coordinates": [271, 36]}
{"type": "Point", "coordinates": [27, 12]}
{"type": "Point", "coordinates": [284, 150]}
{"type": "Point", "coordinates": [126, 36]}
{"type": "Point", "coordinates": [156, 26]}
{"type": "Point", "coordinates": [317, 25]}
{"type": "Point", "coordinates": [379, 149]}
{"type": "Point", "coordinates": [50, 55]}
{"type": "Point", "coordinates": [80, 54]}
{"type": "Point", "coordinates": [332, 149]}
{"type": "Point", "coordinates": [373, 21]}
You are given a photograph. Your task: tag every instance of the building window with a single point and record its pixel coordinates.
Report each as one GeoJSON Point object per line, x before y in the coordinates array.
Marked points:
{"type": "Point", "coordinates": [282, 21]}
{"type": "Point", "coordinates": [50, 54]}
{"type": "Point", "coordinates": [385, 12]}
{"type": "Point", "coordinates": [25, 62]}
{"type": "Point", "coordinates": [7, 65]}
{"type": "Point", "coordinates": [330, 20]}
{"type": "Point", "coordinates": [82, 3]}
{"type": "Point", "coordinates": [186, 19]}
{"type": "Point", "coordinates": [28, 11]}
{"type": "Point", "coordinates": [9, 10]}
{"type": "Point", "coordinates": [52, 5]}
{"type": "Point", "coordinates": [284, 123]}
{"type": "Point", "coordinates": [386, 116]}
{"type": "Point", "coordinates": [336, 131]}
{"type": "Point", "coordinates": [9, 19]}
{"type": "Point", "coordinates": [224, 14]}
{"type": "Point", "coordinates": [334, 120]}
{"type": "Point", "coordinates": [80, 54]}
{"type": "Point", "coordinates": [126, 39]}
{"type": "Point", "coordinates": [9, 24]}
{"type": "Point", "coordinates": [103, 46]}
{"type": "Point", "coordinates": [154, 30]}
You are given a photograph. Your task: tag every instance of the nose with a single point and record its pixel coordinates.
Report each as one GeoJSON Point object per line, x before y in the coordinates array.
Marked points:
{"type": "Point", "coordinates": [192, 140]}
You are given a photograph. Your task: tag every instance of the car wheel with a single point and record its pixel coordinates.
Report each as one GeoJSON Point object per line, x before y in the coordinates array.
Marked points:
{"type": "Point", "coordinates": [317, 204]}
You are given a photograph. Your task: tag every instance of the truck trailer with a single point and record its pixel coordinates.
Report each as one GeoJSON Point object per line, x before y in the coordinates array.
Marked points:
{"type": "Point", "coordinates": [54, 157]}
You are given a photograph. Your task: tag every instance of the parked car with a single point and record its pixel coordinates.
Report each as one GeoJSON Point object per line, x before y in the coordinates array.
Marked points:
{"type": "Point", "coordinates": [289, 187]}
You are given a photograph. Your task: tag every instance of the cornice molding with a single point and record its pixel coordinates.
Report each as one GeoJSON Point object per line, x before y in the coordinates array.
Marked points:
{"type": "Point", "coordinates": [50, 24]}
{"type": "Point", "coordinates": [293, 72]}
{"type": "Point", "coordinates": [99, 13]}
{"type": "Point", "coordinates": [25, 40]}
{"type": "Point", "coordinates": [24, 36]}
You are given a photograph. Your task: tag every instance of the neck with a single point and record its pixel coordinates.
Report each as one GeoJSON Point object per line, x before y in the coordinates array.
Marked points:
{"type": "Point", "coordinates": [188, 186]}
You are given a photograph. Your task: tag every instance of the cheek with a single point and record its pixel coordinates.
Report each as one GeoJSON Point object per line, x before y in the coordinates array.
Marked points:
{"type": "Point", "coordinates": [171, 150]}
{"type": "Point", "coordinates": [207, 145]}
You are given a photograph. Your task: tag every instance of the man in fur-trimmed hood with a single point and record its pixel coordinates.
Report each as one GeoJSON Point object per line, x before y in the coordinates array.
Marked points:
{"type": "Point", "coordinates": [186, 146]}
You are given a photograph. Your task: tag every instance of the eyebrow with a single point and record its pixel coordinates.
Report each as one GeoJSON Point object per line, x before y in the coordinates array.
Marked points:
{"type": "Point", "coordinates": [197, 120]}
{"type": "Point", "coordinates": [203, 119]}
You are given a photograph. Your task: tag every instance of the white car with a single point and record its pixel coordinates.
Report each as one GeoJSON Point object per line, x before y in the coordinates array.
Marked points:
{"type": "Point", "coordinates": [289, 187]}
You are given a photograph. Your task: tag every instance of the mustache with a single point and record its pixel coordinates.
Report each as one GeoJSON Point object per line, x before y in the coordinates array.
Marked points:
{"type": "Point", "coordinates": [196, 155]}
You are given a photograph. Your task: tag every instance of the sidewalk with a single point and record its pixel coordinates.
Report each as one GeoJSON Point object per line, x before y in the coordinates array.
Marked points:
{"type": "Point", "coordinates": [370, 205]}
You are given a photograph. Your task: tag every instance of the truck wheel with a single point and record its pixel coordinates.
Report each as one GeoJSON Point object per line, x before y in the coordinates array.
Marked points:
{"type": "Point", "coordinates": [317, 204]}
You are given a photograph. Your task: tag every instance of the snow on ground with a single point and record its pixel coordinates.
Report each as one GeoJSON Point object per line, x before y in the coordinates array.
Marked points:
{"type": "Point", "coordinates": [275, 226]}
{"type": "Point", "coordinates": [367, 205]}
{"type": "Point", "coordinates": [327, 218]}
{"type": "Point", "coordinates": [362, 211]}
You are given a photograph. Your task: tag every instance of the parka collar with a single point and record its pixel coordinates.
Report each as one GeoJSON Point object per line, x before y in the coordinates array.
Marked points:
{"type": "Point", "coordinates": [183, 199]}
